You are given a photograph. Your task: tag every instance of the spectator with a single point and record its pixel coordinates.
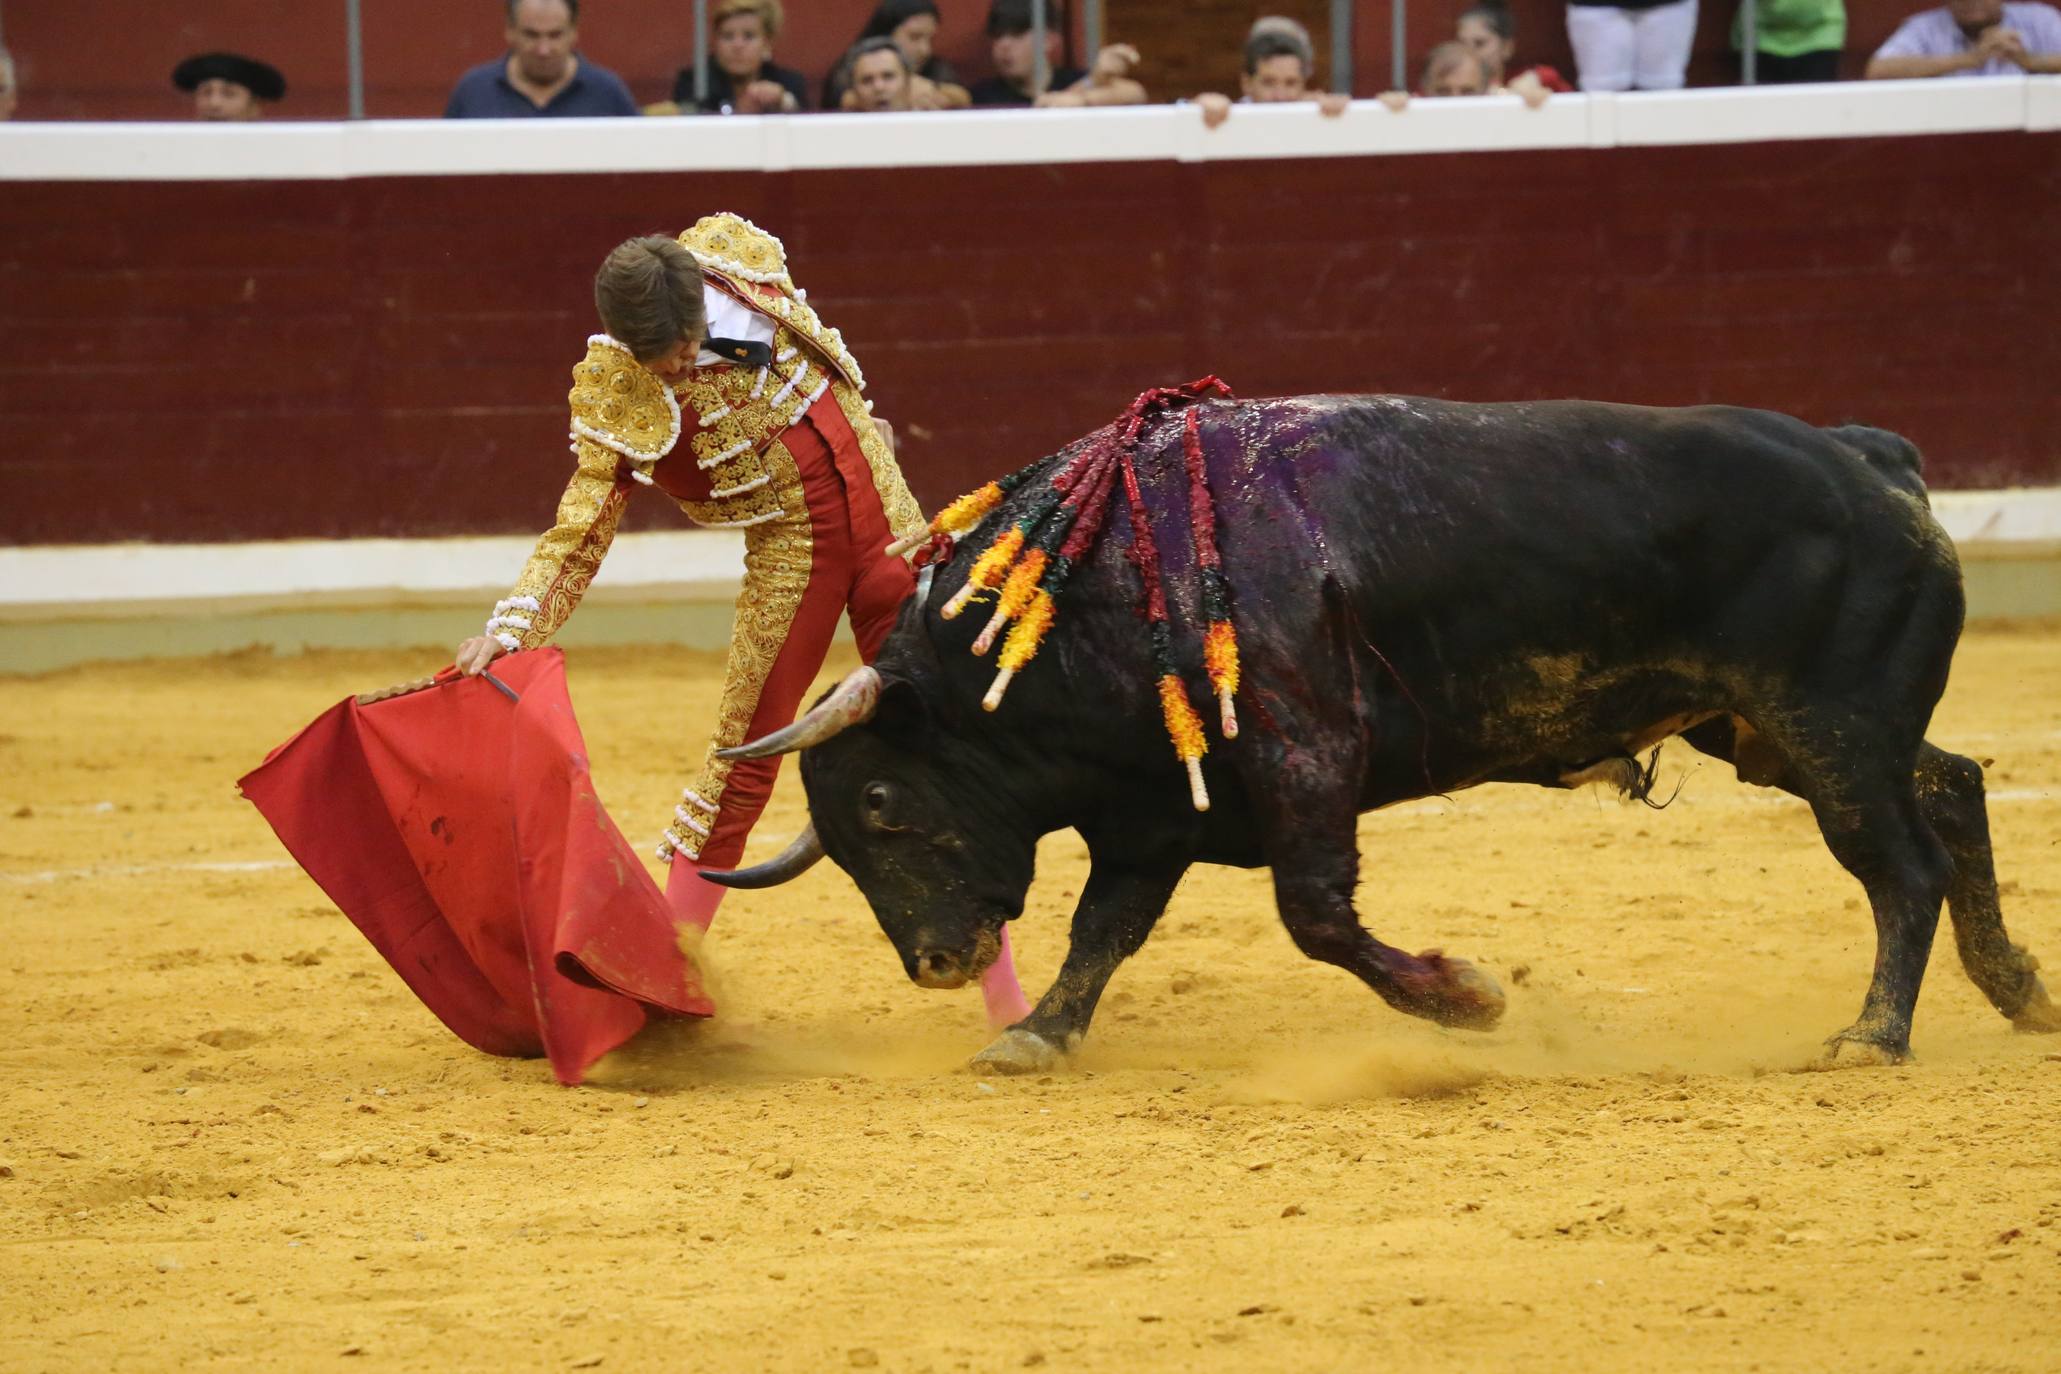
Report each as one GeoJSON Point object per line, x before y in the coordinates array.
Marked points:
{"type": "Point", "coordinates": [1794, 40]}
{"type": "Point", "coordinates": [7, 86]}
{"type": "Point", "coordinates": [878, 76]}
{"type": "Point", "coordinates": [1489, 31]}
{"type": "Point", "coordinates": [541, 74]}
{"type": "Point", "coordinates": [1451, 68]}
{"type": "Point", "coordinates": [1972, 38]}
{"type": "Point", "coordinates": [1015, 58]}
{"type": "Point", "coordinates": [228, 86]}
{"type": "Point", "coordinates": [742, 78]}
{"type": "Point", "coordinates": [1624, 45]}
{"type": "Point", "coordinates": [1278, 62]}
{"type": "Point", "coordinates": [934, 85]}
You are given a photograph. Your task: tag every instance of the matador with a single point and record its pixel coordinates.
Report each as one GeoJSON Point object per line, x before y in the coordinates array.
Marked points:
{"type": "Point", "coordinates": [718, 384]}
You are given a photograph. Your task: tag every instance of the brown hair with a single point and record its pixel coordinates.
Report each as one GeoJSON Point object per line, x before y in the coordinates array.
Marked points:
{"type": "Point", "coordinates": [648, 293]}
{"type": "Point", "coordinates": [1451, 55]}
{"type": "Point", "coordinates": [768, 12]}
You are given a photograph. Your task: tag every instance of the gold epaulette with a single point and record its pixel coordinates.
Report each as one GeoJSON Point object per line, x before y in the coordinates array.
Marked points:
{"type": "Point", "coordinates": [617, 403]}
{"type": "Point", "coordinates": [733, 248]}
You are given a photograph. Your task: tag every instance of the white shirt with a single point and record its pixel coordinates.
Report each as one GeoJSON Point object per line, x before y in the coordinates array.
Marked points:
{"type": "Point", "coordinates": [730, 318]}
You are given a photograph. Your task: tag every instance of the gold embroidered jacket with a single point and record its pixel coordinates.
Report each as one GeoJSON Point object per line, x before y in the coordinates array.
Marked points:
{"type": "Point", "coordinates": [626, 421]}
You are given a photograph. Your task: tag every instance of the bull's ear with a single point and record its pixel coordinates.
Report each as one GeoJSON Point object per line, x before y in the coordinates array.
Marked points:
{"type": "Point", "coordinates": [904, 712]}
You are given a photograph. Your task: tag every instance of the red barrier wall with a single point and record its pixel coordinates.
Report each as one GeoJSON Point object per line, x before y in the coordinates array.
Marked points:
{"type": "Point", "coordinates": [184, 361]}
{"type": "Point", "coordinates": [112, 59]}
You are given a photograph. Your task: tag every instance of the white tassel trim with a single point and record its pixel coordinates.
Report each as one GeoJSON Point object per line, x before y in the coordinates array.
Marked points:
{"type": "Point", "coordinates": [582, 430]}
{"type": "Point", "coordinates": [640, 476]}
{"type": "Point", "coordinates": [725, 456]}
{"type": "Point", "coordinates": [507, 641]}
{"type": "Point", "coordinates": [753, 485]}
{"type": "Point", "coordinates": [714, 415]}
{"type": "Point", "coordinates": [785, 354]}
{"type": "Point", "coordinates": [817, 394]}
{"type": "Point", "coordinates": [744, 524]}
{"type": "Point", "coordinates": [801, 375]}
{"type": "Point", "coordinates": [507, 622]}
{"type": "Point", "coordinates": [670, 844]}
{"type": "Point", "coordinates": [688, 794]}
{"type": "Point", "coordinates": [517, 603]}
{"type": "Point", "coordinates": [686, 818]}
{"type": "Point", "coordinates": [758, 387]}
{"type": "Point", "coordinates": [731, 268]}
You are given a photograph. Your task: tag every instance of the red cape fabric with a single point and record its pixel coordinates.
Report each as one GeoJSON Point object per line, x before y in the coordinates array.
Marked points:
{"type": "Point", "coordinates": [460, 833]}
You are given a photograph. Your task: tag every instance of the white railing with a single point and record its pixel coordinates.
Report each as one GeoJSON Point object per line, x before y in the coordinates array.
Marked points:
{"type": "Point", "coordinates": [779, 143]}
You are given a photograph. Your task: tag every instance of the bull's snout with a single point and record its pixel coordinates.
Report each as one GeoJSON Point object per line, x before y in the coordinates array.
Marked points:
{"type": "Point", "coordinates": [933, 968]}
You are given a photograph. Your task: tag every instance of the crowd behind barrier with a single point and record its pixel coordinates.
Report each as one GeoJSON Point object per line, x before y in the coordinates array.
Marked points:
{"type": "Point", "coordinates": [1031, 48]}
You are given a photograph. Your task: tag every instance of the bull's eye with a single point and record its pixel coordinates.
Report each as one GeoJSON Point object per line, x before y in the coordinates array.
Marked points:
{"type": "Point", "coordinates": [873, 803]}
{"type": "Point", "coordinates": [876, 808]}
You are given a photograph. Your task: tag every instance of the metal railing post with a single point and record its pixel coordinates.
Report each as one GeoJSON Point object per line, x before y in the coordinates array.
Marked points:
{"type": "Point", "coordinates": [1749, 40]}
{"type": "Point", "coordinates": [700, 54]}
{"type": "Point", "coordinates": [1041, 68]}
{"type": "Point", "coordinates": [1342, 46]}
{"type": "Point", "coordinates": [1091, 27]}
{"type": "Point", "coordinates": [1398, 38]}
{"type": "Point", "coordinates": [354, 55]}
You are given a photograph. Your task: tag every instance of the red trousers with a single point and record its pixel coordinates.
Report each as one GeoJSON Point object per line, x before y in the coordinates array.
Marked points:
{"type": "Point", "coordinates": [848, 571]}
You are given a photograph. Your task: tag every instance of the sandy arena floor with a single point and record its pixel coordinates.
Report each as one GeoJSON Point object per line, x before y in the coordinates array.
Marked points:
{"type": "Point", "coordinates": [229, 1136]}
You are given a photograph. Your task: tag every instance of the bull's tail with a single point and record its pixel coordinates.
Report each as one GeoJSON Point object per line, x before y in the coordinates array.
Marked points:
{"type": "Point", "coordinates": [1894, 457]}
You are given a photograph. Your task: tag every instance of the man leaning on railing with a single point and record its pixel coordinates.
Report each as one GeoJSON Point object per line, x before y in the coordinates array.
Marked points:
{"type": "Point", "coordinates": [1972, 38]}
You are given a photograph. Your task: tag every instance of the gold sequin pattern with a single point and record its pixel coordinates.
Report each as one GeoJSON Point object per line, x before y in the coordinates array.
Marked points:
{"type": "Point", "coordinates": [740, 424]}
{"type": "Point", "coordinates": [777, 558]}
{"type": "Point", "coordinates": [618, 403]}
{"type": "Point", "coordinates": [735, 244]}
{"type": "Point", "coordinates": [568, 554]}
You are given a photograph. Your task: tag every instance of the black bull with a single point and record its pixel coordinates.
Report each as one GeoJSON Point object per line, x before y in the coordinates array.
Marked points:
{"type": "Point", "coordinates": [1432, 595]}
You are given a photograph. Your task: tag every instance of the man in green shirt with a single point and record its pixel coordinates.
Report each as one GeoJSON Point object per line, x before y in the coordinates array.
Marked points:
{"type": "Point", "coordinates": [1797, 40]}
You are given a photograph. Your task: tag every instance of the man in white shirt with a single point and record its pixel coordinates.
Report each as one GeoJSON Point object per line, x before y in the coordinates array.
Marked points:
{"type": "Point", "coordinates": [1972, 38]}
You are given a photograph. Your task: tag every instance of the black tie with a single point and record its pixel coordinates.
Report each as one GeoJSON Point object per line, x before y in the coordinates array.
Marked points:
{"type": "Point", "coordinates": [746, 351]}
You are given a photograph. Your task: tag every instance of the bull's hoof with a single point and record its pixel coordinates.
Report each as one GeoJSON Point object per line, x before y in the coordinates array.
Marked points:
{"type": "Point", "coordinates": [2039, 1015]}
{"type": "Point", "coordinates": [1463, 997]}
{"type": "Point", "coordinates": [1854, 1048]}
{"type": "Point", "coordinates": [1016, 1052]}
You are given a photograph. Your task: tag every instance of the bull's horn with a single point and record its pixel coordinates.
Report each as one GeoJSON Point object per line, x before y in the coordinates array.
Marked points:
{"type": "Point", "coordinates": [791, 862]}
{"type": "Point", "coordinates": [851, 703]}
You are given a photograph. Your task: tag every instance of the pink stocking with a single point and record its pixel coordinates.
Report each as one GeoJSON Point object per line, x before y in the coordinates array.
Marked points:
{"type": "Point", "coordinates": [1003, 993]}
{"type": "Point", "coordinates": [692, 897]}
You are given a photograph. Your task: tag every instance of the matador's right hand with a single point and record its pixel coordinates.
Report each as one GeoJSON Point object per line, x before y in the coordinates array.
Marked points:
{"type": "Point", "coordinates": [476, 653]}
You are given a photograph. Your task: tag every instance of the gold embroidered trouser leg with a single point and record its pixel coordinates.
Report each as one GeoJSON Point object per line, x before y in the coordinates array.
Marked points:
{"type": "Point", "coordinates": [786, 616]}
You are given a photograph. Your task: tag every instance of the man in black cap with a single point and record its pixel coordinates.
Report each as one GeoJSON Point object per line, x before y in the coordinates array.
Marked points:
{"type": "Point", "coordinates": [228, 85]}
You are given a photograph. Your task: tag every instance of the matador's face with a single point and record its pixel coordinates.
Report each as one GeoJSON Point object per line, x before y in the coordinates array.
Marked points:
{"type": "Point", "coordinates": [672, 366]}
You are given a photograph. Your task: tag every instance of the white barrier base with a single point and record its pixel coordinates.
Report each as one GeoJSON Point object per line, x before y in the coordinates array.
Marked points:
{"type": "Point", "coordinates": [66, 604]}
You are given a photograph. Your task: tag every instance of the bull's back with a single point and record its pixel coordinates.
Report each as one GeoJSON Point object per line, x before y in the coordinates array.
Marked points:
{"type": "Point", "coordinates": [1587, 536]}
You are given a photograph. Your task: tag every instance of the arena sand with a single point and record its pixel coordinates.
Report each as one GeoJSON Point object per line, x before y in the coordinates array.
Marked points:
{"type": "Point", "coordinates": [230, 1137]}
